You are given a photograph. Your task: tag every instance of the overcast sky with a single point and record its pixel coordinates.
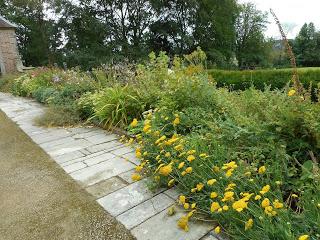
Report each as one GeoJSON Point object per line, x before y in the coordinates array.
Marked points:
{"type": "Point", "coordinates": [290, 12]}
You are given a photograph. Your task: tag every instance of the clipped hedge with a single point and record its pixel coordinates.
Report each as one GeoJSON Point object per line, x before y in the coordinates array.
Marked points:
{"type": "Point", "coordinates": [240, 80]}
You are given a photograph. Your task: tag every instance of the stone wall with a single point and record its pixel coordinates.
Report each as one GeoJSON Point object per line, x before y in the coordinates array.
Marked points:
{"type": "Point", "coordinates": [8, 51]}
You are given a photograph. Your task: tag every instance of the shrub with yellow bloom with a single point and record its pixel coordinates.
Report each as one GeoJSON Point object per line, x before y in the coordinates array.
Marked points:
{"type": "Point", "coordinates": [211, 182]}
{"type": "Point", "coordinates": [265, 189]}
{"type": "Point", "coordinates": [214, 206]}
{"type": "Point", "coordinates": [291, 92]}
{"type": "Point", "coordinates": [228, 196]}
{"type": "Point", "coordinates": [134, 123]}
{"type": "Point", "coordinates": [304, 237]}
{"type": "Point", "coordinates": [165, 170]}
{"type": "Point", "coordinates": [265, 203]}
{"type": "Point", "coordinates": [190, 158]}
{"type": "Point", "coordinates": [262, 169]}
{"type": "Point", "coordinates": [188, 170]}
{"type": "Point", "coordinates": [213, 195]}
{"type": "Point", "coordinates": [135, 177]}
{"type": "Point", "coordinates": [200, 186]}
{"type": "Point", "coordinates": [248, 224]}
{"type": "Point", "coordinates": [217, 229]}
{"type": "Point", "coordinates": [183, 223]}
{"type": "Point", "coordinates": [240, 205]}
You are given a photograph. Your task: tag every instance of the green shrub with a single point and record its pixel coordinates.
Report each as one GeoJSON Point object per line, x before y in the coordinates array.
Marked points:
{"type": "Point", "coordinates": [277, 79]}
{"type": "Point", "coordinates": [113, 107]}
{"type": "Point", "coordinates": [256, 150]}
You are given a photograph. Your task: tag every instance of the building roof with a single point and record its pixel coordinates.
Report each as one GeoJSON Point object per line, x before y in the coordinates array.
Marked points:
{"type": "Point", "coordinates": [4, 23]}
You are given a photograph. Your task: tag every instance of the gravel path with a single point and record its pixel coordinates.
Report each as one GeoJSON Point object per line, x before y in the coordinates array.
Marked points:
{"type": "Point", "coordinates": [39, 201]}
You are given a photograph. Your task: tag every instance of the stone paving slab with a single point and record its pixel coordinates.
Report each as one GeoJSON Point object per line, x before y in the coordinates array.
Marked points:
{"type": "Point", "coordinates": [104, 166]}
{"type": "Point", "coordinates": [165, 227]}
{"type": "Point", "coordinates": [145, 210]}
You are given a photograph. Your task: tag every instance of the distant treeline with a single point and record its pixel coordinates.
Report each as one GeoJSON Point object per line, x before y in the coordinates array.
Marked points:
{"type": "Point", "coordinates": [88, 33]}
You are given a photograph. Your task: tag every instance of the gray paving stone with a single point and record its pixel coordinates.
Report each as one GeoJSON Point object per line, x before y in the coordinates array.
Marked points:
{"type": "Point", "coordinates": [98, 159]}
{"type": "Point", "coordinates": [105, 146]}
{"type": "Point", "coordinates": [212, 236]}
{"type": "Point", "coordinates": [68, 157]}
{"type": "Point", "coordinates": [61, 140]}
{"type": "Point", "coordinates": [101, 138]}
{"type": "Point", "coordinates": [122, 200]}
{"type": "Point", "coordinates": [68, 147]}
{"type": "Point", "coordinates": [173, 193]}
{"type": "Point", "coordinates": [74, 167]}
{"type": "Point", "coordinates": [132, 158]}
{"type": "Point", "coordinates": [127, 176]}
{"type": "Point", "coordinates": [102, 171]}
{"type": "Point", "coordinates": [123, 150]}
{"type": "Point", "coordinates": [106, 187]}
{"type": "Point", "coordinates": [82, 159]}
{"type": "Point", "coordinates": [145, 210]}
{"type": "Point", "coordinates": [162, 226]}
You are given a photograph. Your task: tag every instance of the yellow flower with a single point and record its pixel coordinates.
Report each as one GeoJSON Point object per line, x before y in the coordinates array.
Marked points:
{"type": "Point", "coordinates": [229, 173]}
{"type": "Point", "coordinates": [228, 196]}
{"type": "Point", "coordinates": [182, 199]}
{"type": "Point", "coordinates": [176, 121]}
{"type": "Point", "coordinates": [230, 165]}
{"type": "Point", "coordinates": [178, 147]}
{"type": "Point", "coordinates": [211, 182]}
{"type": "Point", "coordinates": [217, 230]}
{"type": "Point", "coordinates": [215, 206]}
{"type": "Point", "coordinates": [304, 237]}
{"type": "Point", "coordinates": [186, 206]}
{"type": "Point", "coordinates": [190, 152]}
{"type": "Point", "coordinates": [200, 186]}
{"type": "Point", "coordinates": [130, 141]}
{"type": "Point", "coordinates": [203, 155]}
{"type": "Point", "coordinates": [291, 92]}
{"type": "Point", "coordinates": [193, 205]}
{"type": "Point", "coordinates": [134, 123]}
{"type": "Point", "coordinates": [262, 170]}
{"type": "Point", "coordinates": [183, 173]}
{"type": "Point", "coordinates": [265, 203]}
{"type": "Point", "coordinates": [230, 186]}
{"type": "Point", "coordinates": [138, 153]}
{"type": "Point", "coordinates": [189, 170]}
{"type": "Point", "coordinates": [193, 190]}
{"type": "Point", "coordinates": [265, 189]}
{"type": "Point", "coordinates": [294, 195]}
{"type": "Point", "coordinates": [139, 168]}
{"type": "Point", "coordinates": [135, 177]}
{"type": "Point", "coordinates": [240, 205]}
{"type": "Point", "coordinates": [190, 158]}
{"type": "Point", "coordinates": [213, 195]}
{"type": "Point", "coordinates": [165, 170]}
{"type": "Point", "coordinates": [167, 155]}
{"type": "Point", "coordinates": [248, 224]}
{"type": "Point", "coordinates": [277, 204]}
{"type": "Point", "coordinates": [215, 169]}
{"type": "Point", "coordinates": [183, 223]}
{"type": "Point", "coordinates": [146, 128]}
{"type": "Point", "coordinates": [269, 211]}
{"type": "Point", "coordinates": [171, 182]}
{"type": "Point", "coordinates": [225, 208]}
{"type": "Point", "coordinates": [258, 197]}
{"type": "Point", "coordinates": [181, 165]}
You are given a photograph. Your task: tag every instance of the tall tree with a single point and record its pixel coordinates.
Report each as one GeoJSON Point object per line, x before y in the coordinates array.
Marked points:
{"type": "Point", "coordinates": [307, 46]}
{"type": "Point", "coordinates": [250, 41]}
{"type": "Point", "coordinates": [214, 29]}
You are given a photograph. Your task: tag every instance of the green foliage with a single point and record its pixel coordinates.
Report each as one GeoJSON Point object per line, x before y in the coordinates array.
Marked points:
{"type": "Point", "coordinates": [277, 79]}
{"type": "Point", "coordinates": [113, 107]}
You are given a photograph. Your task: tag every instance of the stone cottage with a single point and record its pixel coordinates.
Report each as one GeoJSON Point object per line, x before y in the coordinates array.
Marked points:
{"type": "Point", "coordinates": [9, 56]}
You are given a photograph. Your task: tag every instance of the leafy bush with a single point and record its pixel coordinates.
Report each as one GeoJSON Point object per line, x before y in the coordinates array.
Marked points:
{"type": "Point", "coordinates": [248, 159]}
{"type": "Point", "coordinates": [112, 107]}
{"type": "Point", "coordinates": [277, 79]}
